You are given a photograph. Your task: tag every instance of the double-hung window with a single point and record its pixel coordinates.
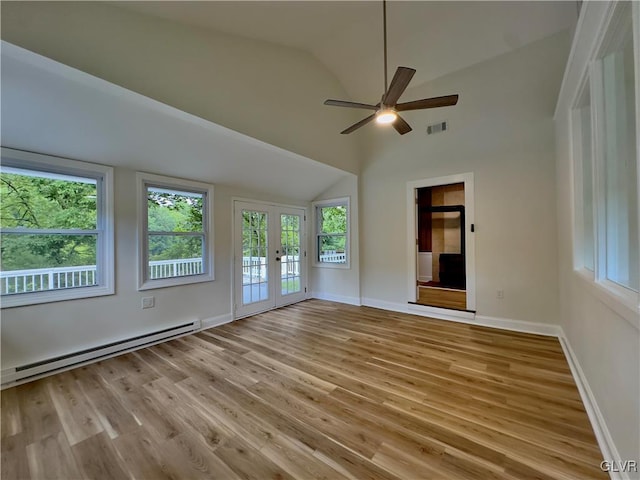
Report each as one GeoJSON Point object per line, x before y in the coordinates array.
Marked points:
{"type": "Point", "coordinates": [56, 229]}
{"type": "Point", "coordinates": [176, 241]}
{"type": "Point", "coordinates": [332, 233]}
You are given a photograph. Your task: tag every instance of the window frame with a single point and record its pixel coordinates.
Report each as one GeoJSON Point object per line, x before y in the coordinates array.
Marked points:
{"type": "Point", "coordinates": [145, 180]}
{"type": "Point", "coordinates": [620, 298]}
{"type": "Point", "coordinates": [334, 202]}
{"type": "Point", "coordinates": [105, 260]}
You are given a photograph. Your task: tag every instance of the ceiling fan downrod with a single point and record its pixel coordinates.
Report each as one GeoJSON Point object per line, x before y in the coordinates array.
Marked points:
{"type": "Point", "coordinates": [384, 29]}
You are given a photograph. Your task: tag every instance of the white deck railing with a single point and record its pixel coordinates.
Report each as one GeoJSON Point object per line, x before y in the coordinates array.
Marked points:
{"type": "Point", "coordinates": [333, 257]}
{"type": "Point", "coordinates": [39, 279]}
{"type": "Point", "coordinates": [256, 267]}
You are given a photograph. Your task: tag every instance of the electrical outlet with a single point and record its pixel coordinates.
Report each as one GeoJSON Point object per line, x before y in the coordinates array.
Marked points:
{"type": "Point", "coordinates": [148, 302]}
{"type": "Point", "coordinates": [500, 294]}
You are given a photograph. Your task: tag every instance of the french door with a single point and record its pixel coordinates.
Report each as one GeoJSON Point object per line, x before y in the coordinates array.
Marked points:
{"type": "Point", "coordinates": [269, 251]}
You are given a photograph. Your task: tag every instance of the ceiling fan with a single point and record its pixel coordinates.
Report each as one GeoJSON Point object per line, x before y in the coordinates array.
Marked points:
{"type": "Point", "coordinates": [386, 111]}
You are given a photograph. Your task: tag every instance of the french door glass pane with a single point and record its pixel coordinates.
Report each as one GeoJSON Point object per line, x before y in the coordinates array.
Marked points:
{"type": "Point", "coordinates": [621, 176]}
{"type": "Point", "coordinates": [290, 259]}
{"type": "Point", "coordinates": [255, 265]}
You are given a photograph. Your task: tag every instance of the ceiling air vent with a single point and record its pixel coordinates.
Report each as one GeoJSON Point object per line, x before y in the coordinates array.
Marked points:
{"type": "Point", "coordinates": [437, 128]}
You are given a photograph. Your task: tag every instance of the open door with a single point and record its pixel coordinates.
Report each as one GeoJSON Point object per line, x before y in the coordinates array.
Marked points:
{"type": "Point", "coordinates": [441, 257]}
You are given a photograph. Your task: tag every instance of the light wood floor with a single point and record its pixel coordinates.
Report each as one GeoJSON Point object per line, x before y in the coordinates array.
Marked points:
{"type": "Point", "coordinates": [315, 390]}
{"type": "Point", "coordinates": [442, 297]}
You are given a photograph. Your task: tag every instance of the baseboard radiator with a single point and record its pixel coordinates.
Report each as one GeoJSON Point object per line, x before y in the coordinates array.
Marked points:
{"type": "Point", "coordinates": [33, 371]}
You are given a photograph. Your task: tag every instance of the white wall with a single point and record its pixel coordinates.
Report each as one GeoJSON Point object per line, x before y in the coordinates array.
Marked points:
{"type": "Point", "coordinates": [600, 332]}
{"type": "Point", "coordinates": [502, 131]}
{"type": "Point", "coordinates": [232, 81]}
{"type": "Point", "coordinates": [340, 284]}
{"type": "Point", "coordinates": [40, 332]}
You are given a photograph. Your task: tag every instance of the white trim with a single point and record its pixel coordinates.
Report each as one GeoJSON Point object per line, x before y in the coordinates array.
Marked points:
{"type": "Point", "coordinates": [105, 259]}
{"type": "Point", "coordinates": [142, 180]}
{"type": "Point", "coordinates": [216, 321]}
{"type": "Point", "coordinates": [603, 436]}
{"type": "Point", "coordinates": [592, 17]}
{"type": "Point", "coordinates": [336, 298]}
{"type": "Point", "coordinates": [332, 202]}
{"type": "Point", "coordinates": [469, 212]}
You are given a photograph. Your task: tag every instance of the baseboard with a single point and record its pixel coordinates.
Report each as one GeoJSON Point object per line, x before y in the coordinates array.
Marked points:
{"type": "Point", "coordinates": [216, 321]}
{"type": "Point", "coordinates": [336, 298]}
{"type": "Point", "coordinates": [603, 436]}
{"type": "Point", "coordinates": [425, 278]}
{"type": "Point", "coordinates": [519, 325]}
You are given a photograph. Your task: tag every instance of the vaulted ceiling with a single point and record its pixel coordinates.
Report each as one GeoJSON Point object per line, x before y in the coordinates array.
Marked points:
{"type": "Point", "coordinates": [435, 38]}
{"type": "Point", "coordinates": [52, 108]}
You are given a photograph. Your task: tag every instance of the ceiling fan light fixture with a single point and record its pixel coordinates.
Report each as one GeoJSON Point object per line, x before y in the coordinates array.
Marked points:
{"type": "Point", "coordinates": [386, 116]}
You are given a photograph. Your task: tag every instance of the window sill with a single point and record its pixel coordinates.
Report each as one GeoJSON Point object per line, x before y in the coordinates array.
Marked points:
{"type": "Point", "coordinates": [175, 281]}
{"type": "Point", "coordinates": [35, 298]}
{"type": "Point", "coordinates": [622, 301]}
{"type": "Point", "coordinates": [339, 266]}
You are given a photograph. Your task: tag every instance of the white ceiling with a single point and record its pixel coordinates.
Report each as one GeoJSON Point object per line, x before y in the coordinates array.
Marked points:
{"type": "Point", "coordinates": [51, 108]}
{"type": "Point", "coordinates": [435, 38]}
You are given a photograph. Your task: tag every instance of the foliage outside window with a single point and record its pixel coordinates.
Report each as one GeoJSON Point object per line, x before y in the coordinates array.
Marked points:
{"type": "Point", "coordinates": [176, 245]}
{"type": "Point", "coordinates": [55, 229]}
{"type": "Point", "coordinates": [332, 232]}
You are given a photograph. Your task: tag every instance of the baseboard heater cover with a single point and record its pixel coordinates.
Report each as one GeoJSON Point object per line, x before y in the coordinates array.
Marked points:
{"type": "Point", "coordinates": [52, 365]}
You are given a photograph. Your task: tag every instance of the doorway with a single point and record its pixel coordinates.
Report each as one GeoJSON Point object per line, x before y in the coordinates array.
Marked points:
{"type": "Point", "coordinates": [270, 257]}
{"type": "Point", "coordinates": [442, 250]}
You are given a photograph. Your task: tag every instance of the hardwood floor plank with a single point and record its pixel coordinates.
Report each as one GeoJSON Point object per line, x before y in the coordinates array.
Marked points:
{"type": "Point", "coordinates": [113, 416]}
{"type": "Point", "coordinates": [51, 458]}
{"type": "Point", "coordinates": [143, 456]}
{"type": "Point", "coordinates": [98, 458]}
{"type": "Point", "coordinates": [79, 419]}
{"type": "Point", "coordinates": [248, 463]}
{"type": "Point", "coordinates": [14, 463]}
{"type": "Point", "coordinates": [186, 411]}
{"type": "Point", "coordinates": [38, 415]}
{"type": "Point", "coordinates": [10, 420]}
{"type": "Point", "coordinates": [195, 460]}
{"type": "Point", "coordinates": [316, 390]}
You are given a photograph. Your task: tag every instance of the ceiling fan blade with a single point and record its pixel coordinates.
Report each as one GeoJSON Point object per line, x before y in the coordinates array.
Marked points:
{"type": "Point", "coordinates": [356, 126]}
{"type": "Point", "coordinates": [401, 126]}
{"type": "Point", "coordinates": [398, 85]}
{"type": "Point", "coordinates": [342, 103]}
{"type": "Point", "coordinates": [446, 101]}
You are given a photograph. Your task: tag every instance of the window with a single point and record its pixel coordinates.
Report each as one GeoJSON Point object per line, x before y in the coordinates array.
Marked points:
{"type": "Point", "coordinates": [176, 244]}
{"type": "Point", "coordinates": [56, 229]}
{"type": "Point", "coordinates": [620, 158]}
{"type": "Point", "coordinates": [332, 233]}
{"type": "Point", "coordinates": [584, 181]}
{"type": "Point", "coordinates": [604, 128]}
